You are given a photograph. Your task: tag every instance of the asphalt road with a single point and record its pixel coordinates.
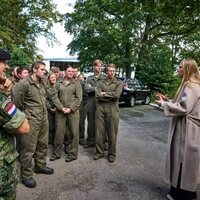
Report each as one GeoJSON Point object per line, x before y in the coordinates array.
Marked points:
{"type": "Point", "coordinates": [137, 173]}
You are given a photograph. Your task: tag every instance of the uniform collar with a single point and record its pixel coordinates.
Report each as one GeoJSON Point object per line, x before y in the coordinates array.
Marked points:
{"type": "Point", "coordinates": [113, 80]}
{"type": "Point", "coordinates": [98, 77]}
{"type": "Point", "coordinates": [70, 82]}
{"type": "Point", "coordinates": [33, 81]}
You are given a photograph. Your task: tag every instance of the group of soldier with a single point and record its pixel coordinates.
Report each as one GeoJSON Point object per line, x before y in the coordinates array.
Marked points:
{"type": "Point", "coordinates": [72, 99]}
{"type": "Point", "coordinates": [55, 111]}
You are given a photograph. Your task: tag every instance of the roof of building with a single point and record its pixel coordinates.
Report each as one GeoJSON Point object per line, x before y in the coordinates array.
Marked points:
{"type": "Point", "coordinates": [62, 59]}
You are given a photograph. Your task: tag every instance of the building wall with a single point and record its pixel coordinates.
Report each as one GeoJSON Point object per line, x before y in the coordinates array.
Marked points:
{"type": "Point", "coordinates": [62, 65]}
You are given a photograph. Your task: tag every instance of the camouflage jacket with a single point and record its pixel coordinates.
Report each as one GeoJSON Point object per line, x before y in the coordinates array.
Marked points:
{"type": "Point", "coordinates": [8, 153]}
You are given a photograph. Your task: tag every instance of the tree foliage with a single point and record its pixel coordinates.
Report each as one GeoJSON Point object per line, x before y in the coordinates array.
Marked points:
{"type": "Point", "coordinates": [22, 21]}
{"type": "Point", "coordinates": [151, 35]}
{"type": "Point", "coordinates": [19, 57]}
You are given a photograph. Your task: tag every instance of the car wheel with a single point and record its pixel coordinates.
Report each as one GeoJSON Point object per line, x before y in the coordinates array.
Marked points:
{"type": "Point", "coordinates": [147, 100]}
{"type": "Point", "coordinates": [132, 101]}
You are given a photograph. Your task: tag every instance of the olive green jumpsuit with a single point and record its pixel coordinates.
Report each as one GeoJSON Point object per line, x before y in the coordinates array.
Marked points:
{"type": "Point", "coordinates": [107, 115]}
{"type": "Point", "coordinates": [30, 97]}
{"type": "Point", "coordinates": [92, 82]}
{"type": "Point", "coordinates": [51, 115]}
{"type": "Point", "coordinates": [83, 113]}
{"type": "Point", "coordinates": [67, 96]}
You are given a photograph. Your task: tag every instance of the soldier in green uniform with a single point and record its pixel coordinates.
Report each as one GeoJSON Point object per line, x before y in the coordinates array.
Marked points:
{"type": "Point", "coordinates": [12, 122]}
{"type": "Point", "coordinates": [67, 98]}
{"type": "Point", "coordinates": [51, 107]}
{"type": "Point", "coordinates": [107, 114]}
{"type": "Point", "coordinates": [22, 72]}
{"type": "Point", "coordinates": [56, 71]}
{"type": "Point", "coordinates": [29, 96]}
{"type": "Point", "coordinates": [67, 138]}
{"type": "Point", "coordinates": [91, 84]}
{"type": "Point", "coordinates": [83, 111]}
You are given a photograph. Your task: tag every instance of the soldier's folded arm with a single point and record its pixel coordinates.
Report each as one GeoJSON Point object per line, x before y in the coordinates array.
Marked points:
{"type": "Point", "coordinates": [88, 87]}
{"type": "Point", "coordinates": [114, 94]}
{"type": "Point", "coordinates": [18, 123]}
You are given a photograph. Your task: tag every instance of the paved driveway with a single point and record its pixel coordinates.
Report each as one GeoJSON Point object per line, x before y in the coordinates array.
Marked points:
{"type": "Point", "coordinates": [137, 173]}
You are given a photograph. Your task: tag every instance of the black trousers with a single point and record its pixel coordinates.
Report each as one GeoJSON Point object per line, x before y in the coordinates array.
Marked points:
{"type": "Point", "coordinates": [179, 194]}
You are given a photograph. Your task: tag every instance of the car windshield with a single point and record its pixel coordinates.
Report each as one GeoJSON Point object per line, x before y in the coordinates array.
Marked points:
{"type": "Point", "coordinates": [133, 83]}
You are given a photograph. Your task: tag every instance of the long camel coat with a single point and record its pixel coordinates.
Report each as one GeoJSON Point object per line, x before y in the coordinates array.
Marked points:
{"type": "Point", "coordinates": [184, 138]}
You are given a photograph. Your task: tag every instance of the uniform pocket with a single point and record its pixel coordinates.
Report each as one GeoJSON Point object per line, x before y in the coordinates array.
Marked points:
{"type": "Point", "coordinates": [11, 157]}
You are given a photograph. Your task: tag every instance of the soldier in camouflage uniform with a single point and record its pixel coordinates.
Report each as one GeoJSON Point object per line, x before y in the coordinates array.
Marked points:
{"type": "Point", "coordinates": [107, 114]}
{"type": "Point", "coordinates": [91, 84]}
{"type": "Point", "coordinates": [30, 96]}
{"type": "Point", "coordinates": [12, 121]}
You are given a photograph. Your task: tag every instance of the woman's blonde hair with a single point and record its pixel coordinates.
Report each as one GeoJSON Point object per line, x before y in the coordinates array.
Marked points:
{"type": "Point", "coordinates": [50, 73]}
{"type": "Point", "coordinates": [190, 73]}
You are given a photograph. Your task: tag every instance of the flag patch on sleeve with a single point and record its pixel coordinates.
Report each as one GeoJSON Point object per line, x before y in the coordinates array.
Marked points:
{"type": "Point", "coordinates": [11, 109]}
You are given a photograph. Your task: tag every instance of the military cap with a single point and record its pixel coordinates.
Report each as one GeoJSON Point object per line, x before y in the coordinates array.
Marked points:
{"type": "Point", "coordinates": [4, 55]}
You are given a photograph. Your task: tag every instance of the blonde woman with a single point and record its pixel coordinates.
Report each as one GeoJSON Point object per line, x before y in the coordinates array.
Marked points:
{"type": "Point", "coordinates": [52, 77]}
{"type": "Point", "coordinates": [183, 154]}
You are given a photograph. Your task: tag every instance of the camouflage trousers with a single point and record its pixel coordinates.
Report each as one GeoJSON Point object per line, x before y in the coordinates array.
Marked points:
{"type": "Point", "coordinates": [8, 180]}
{"type": "Point", "coordinates": [9, 195]}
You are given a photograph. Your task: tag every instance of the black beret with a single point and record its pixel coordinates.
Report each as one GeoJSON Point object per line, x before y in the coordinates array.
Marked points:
{"type": "Point", "coordinates": [4, 55]}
